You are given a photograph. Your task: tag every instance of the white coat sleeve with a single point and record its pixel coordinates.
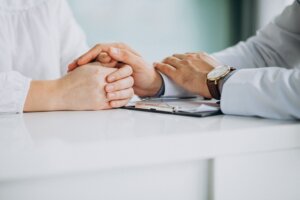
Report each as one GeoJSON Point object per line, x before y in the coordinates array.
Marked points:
{"type": "Point", "coordinates": [272, 87]}
{"type": "Point", "coordinates": [13, 91]}
{"type": "Point", "coordinates": [72, 38]}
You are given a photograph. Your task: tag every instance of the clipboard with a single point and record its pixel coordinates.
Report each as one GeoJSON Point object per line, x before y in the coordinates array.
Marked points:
{"type": "Point", "coordinates": [193, 106]}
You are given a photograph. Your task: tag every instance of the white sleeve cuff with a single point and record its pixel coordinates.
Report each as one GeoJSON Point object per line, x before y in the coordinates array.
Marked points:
{"type": "Point", "coordinates": [171, 89]}
{"type": "Point", "coordinates": [13, 92]}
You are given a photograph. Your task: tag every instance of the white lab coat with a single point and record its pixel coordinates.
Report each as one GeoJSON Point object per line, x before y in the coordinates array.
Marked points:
{"type": "Point", "coordinates": [267, 82]}
{"type": "Point", "coordinates": [38, 38]}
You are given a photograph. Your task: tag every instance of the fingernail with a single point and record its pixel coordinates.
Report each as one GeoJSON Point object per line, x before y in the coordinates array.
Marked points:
{"type": "Point", "coordinates": [110, 88]}
{"type": "Point", "coordinates": [115, 51]}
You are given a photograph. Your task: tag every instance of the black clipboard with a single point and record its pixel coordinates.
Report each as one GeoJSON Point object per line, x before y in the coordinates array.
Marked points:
{"type": "Point", "coordinates": [193, 99]}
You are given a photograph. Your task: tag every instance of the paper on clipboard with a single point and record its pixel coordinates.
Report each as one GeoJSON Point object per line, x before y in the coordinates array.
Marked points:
{"type": "Point", "coordinates": [175, 105]}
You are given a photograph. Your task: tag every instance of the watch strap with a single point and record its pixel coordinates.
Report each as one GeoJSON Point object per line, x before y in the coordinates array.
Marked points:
{"type": "Point", "coordinates": [214, 89]}
{"type": "Point", "coordinates": [213, 86]}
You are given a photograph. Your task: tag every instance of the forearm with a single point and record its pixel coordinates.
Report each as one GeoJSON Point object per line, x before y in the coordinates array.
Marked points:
{"type": "Point", "coordinates": [243, 55]}
{"type": "Point", "coordinates": [268, 92]}
{"type": "Point", "coordinates": [277, 44]}
{"type": "Point", "coordinates": [42, 96]}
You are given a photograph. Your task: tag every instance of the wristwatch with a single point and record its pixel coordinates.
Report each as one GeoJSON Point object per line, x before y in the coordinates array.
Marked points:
{"type": "Point", "coordinates": [213, 78]}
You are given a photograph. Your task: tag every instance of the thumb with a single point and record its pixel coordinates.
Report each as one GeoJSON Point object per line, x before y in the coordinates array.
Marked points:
{"type": "Point", "coordinates": [127, 57]}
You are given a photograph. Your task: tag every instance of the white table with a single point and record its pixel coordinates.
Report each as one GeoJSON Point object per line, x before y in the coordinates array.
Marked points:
{"type": "Point", "coordinates": [122, 154]}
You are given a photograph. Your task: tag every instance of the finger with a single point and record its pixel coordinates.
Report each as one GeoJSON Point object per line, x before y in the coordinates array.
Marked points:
{"type": "Point", "coordinates": [103, 57]}
{"type": "Point", "coordinates": [194, 53]}
{"type": "Point", "coordinates": [119, 103]}
{"type": "Point", "coordinates": [113, 64]}
{"type": "Point", "coordinates": [166, 69]}
{"type": "Point", "coordinates": [120, 95]}
{"type": "Point", "coordinates": [106, 60]}
{"type": "Point", "coordinates": [93, 53]}
{"type": "Point", "coordinates": [126, 56]}
{"type": "Point", "coordinates": [175, 62]}
{"type": "Point", "coordinates": [120, 85]}
{"type": "Point", "coordinates": [120, 74]}
{"type": "Point", "coordinates": [89, 56]}
{"type": "Point", "coordinates": [120, 45]}
{"type": "Point", "coordinates": [180, 56]}
{"type": "Point", "coordinates": [72, 65]}
{"type": "Point", "coordinates": [126, 47]}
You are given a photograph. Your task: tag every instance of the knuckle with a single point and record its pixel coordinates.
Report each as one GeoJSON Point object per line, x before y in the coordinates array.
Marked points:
{"type": "Point", "coordinates": [190, 56]}
{"type": "Point", "coordinates": [201, 54]}
{"type": "Point", "coordinates": [167, 70]}
{"type": "Point", "coordinates": [119, 44]}
{"type": "Point", "coordinates": [186, 62]}
{"type": "Point", "coordinates": [124, 55]}
{"type": "Point", "coordinates": [169, 59]}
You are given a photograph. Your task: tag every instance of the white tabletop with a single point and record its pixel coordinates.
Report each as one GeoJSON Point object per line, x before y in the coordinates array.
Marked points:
{"type": "Point", "coordinates": [50, 143]}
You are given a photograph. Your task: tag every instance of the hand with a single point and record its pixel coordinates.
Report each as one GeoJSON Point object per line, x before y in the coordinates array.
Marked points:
{"type": "Point", "coordinates": [82, 89]}
{"type": "Point", "coordinates": [99, 53]}
{"type": "Point", "coordinates": [189, 71]}
{"type": "Point", "coordinates": [147, 81]}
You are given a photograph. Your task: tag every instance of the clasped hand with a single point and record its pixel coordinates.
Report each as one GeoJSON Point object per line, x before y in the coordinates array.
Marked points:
{"type": "Point", "coordinates": [187, 70]}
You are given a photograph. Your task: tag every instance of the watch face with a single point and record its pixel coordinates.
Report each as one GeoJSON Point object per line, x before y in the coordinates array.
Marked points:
{"type": "Point", "coordinates": [218, 72]}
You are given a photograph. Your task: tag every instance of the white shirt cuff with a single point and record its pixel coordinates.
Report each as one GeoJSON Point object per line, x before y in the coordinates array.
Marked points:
{"type": "Point", "coordinates": [172, 89]}
{"type": "Point", "coordinates": [13, 92]}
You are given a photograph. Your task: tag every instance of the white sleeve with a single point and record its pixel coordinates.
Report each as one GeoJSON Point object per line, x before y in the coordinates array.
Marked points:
{"type": "Point", "coordinates": [72, 38]}
{"type": "Point", "coordinates": [13, 91]}
{"type": "Point", "coordinates": [172, 89]}
{"type": "Point", "coordinates": [272, 87]}
{"type": "Point", "coordinates": [277, 44]}
{"type": "Point", "coordinates": [271, 92]}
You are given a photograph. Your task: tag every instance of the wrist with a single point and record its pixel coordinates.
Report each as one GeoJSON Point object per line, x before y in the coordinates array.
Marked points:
{"type": "Point", "coordinates": [157, 84]}
{"type": "Point", "coordinates": [214, 77]}
{"type": "Point", "coordinates": [153, 86]}
{"type": "Point", "coordinates": [42, 96]}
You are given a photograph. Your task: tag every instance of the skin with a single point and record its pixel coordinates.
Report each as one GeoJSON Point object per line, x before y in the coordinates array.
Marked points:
{"type": "Point", "coordinates": [189, 71]}
{"type": "Point", "coordinates": [81, 89]}
{"type": "Point", "coordinates": [147, 81]}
